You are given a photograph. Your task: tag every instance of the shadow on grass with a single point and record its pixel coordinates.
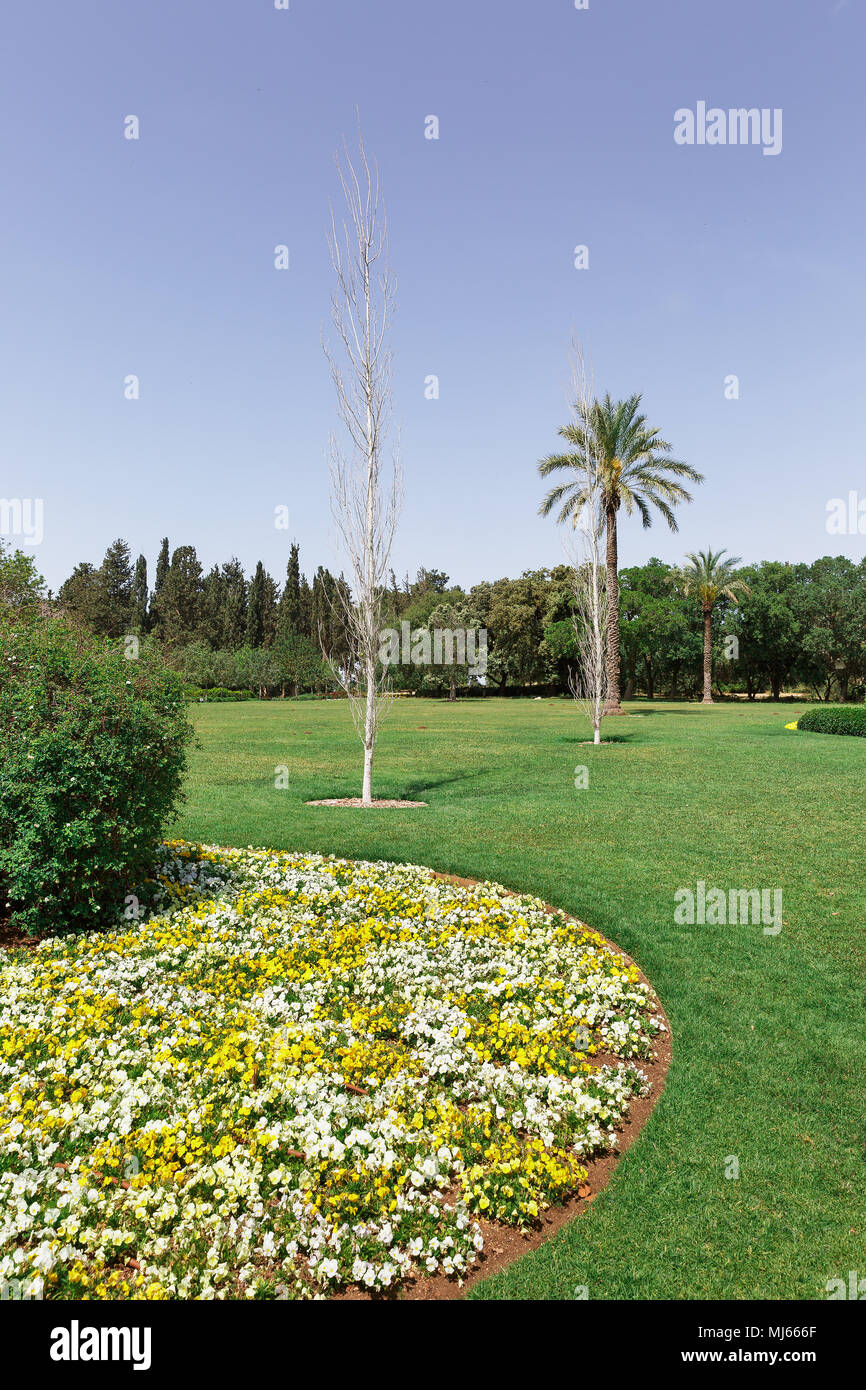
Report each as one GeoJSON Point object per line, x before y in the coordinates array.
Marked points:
{"type": "Point", "coordinates": [410, 791]}
{"type": "Point", "coordinates": [605, 738]}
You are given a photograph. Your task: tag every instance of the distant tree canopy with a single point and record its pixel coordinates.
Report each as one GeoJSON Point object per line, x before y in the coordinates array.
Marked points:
{"type": "Point", "coordinates": [793, 626]}
{"type": "Point", "coordinates": [21, 585]}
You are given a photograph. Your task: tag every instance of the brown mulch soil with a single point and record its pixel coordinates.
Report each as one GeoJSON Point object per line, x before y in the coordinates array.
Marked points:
{"type": "Point", "coordinates": [356, 801]}
{"type": "Point", "coordinates": [12, 940]}
{"type": "Point", "coordinates": [503, 1244]}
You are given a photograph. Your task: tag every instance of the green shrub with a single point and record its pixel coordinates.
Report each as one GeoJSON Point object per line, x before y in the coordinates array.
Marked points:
{"type": "Point", "coordinates": [195, 693]}
{"type": "Point", "coordinates": [834, 719]}
{"type": "Point", "coordinates": [92, 753]}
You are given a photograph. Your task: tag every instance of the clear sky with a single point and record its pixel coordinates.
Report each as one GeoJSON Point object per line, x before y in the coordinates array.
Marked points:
{"type": "Point", "coordinates": [155, 257]}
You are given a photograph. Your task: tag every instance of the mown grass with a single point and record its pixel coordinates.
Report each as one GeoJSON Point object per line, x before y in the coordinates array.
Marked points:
{"type": "Point", "coordinates": [768, 1030]}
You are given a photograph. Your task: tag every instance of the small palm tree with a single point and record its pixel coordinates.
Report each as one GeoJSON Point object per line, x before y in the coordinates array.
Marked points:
{"type": "Point", "coordinates": [634, 471]}
{"type": "Point", "coordinates": [708, 577]}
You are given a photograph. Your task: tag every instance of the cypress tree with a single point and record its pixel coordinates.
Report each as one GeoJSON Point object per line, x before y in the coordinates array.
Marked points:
{"type": "Point", "coordinates": [306, 598]}
{"type": "Point", "coordinates": [115, 584]}
{"type": "Point", "coordinates": [81, 594]}
{"type": "Point", "coordinates": [178, 603]}
{"type": "Point", "coordinates": [256, 611]}
{"type": "Point", "coordinates": [139, 596]}
{"type": "Point", "coordinates": [212, 609]}
{"type": "Point", "coordinates": [290, 614]}
{"type": "Point", "coordinates": [161, 567]}
{"type": "Point", "coordinates": [269, 615]}
{"type": "Point", "coordinates": [319, 610]}
{"type": "Point", "coordinates": [234, 618]}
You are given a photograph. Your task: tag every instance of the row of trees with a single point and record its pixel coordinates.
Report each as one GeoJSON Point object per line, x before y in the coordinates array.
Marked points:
{"type": "Point", "coordinates": [778, 626]}
{"type": "Point", "coordinates": [222, 608]}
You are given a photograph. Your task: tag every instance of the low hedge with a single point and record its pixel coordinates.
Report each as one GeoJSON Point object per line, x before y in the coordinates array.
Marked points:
{"type": "Point", "coordinates": [834, 719]}
{"type": "Point", "coordinates": [194, 692]}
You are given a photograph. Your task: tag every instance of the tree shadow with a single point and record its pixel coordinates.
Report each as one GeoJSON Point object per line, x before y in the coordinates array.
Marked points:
{"type": "Point", "coordinates": [419, 784]}
{"type": "Point", "coordinates": [605, 738]}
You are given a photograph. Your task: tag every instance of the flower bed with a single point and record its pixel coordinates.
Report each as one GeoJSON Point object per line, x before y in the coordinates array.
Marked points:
{"type": "Point", "coordinates": [296, 1073]}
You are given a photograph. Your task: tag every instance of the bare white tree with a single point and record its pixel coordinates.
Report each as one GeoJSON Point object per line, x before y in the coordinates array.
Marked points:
{"type": "Point", "coordinates": [588, 563]}
{"type": "Point", "coordinates": [365, 495]}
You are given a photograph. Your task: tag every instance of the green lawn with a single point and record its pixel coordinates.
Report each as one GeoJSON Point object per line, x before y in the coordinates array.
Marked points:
{"type": "Point", "coordinates": [768, 1030]}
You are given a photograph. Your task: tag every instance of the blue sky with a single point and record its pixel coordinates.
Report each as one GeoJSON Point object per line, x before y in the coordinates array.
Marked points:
{"type": "Point", "coordinates": [155, 257]}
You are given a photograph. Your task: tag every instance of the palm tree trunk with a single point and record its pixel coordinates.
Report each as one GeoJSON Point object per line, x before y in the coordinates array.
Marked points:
{"type": "Point", "coordinates": [613, 705]}
{"type": "Point", "coordinates": [708, 657]}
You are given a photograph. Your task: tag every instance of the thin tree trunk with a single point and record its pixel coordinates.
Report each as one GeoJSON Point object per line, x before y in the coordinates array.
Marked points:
{"type": "Point", "coordinates": [366, 519]}
{"type": "Point", "coordinates": [613, 705]}
{"type": "Point", "coordinates": [708, 657]}
{"type": "Point", "coordinates": [369, 737]}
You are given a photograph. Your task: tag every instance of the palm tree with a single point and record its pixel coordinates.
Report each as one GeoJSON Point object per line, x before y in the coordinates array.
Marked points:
{"type": "Point", "coordinates": [633, 471]}
{"type": "Point", "coordinates": [710, 578]}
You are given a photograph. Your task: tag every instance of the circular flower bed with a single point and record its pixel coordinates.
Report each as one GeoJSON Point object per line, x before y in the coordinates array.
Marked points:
{"type": "Point", "coordinates": [295, 1073]}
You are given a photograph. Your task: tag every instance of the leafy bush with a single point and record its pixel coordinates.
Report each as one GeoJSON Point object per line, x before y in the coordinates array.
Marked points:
{"type": "Point", "coordinates": [834, 719]}
{"type": "Point", "coordinates": [92, 753]}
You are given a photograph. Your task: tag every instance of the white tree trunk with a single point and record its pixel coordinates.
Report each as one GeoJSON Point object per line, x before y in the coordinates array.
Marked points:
{"type": "Point", "coordinates": [365, 511]}
{"type": "Point", "coordinates": [369, 738]}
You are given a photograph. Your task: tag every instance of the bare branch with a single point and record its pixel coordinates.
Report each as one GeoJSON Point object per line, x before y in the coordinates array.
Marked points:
{"type": "Point", "coordinates": [365, 496]}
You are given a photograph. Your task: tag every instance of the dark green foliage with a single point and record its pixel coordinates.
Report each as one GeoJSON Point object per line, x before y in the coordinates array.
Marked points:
{"type": "Point", "coordinates": [162, 564]}
{"type": "Point", "coordinates": [660, 633]}
{"type": "Point", "coordinates": [108, 599]}
{"type": "Point", "coordinates": [115, 591]}
{"type": "Point", "coordinates": [797, 627]}
{"type": "Point", "coordinates": [79, 595]}
{"type": "Point", "coordinates": [194, 694]}
{"type": "Point", "coordinates": [139, 596]}
{"type": "Point", "coordinates": [234, 605]}
{"type": "Point", "coordinates": [256, 611]}
{"type": "Point", "coordinates": [834, 719]}
{"type": "Point", "coordinates": [92, 754]}
{"type": "Point", "coordinates": [21, 586]}
{"type": "Point", "coordinates": [289, 613]}
{"type": "Point", "coordinates": [270, 601]}
{"type": "Point", "coordinates": [177, 601]}
{"type": "Point", "coordinates": [300, 665]}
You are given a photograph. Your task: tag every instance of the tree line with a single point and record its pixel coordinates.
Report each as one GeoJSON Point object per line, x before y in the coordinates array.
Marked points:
{"type": "Point", "coordinates": [777, 627]}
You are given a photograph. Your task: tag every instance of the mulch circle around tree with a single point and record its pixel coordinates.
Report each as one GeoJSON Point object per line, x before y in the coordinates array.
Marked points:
{"type": "Point", "coordinates": [502, 1244]}
{"type": "Point", "coordinates": [356, 801]}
